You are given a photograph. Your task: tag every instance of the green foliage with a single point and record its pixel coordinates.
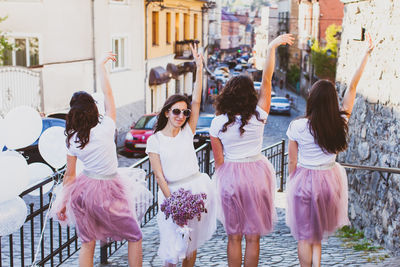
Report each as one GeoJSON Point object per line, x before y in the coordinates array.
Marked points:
{"type": "Point", "coordinates": [293, 74]}
{"type": "Point", "coordinates": [355, 239]}
{"type": "Point", "coordinates": [4, 43]}
{"type": "Point", "coordinates": [324, 58]}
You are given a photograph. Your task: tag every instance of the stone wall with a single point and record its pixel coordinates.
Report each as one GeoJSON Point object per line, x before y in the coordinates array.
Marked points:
{"type": "Point", "coordinates": [374, 129]}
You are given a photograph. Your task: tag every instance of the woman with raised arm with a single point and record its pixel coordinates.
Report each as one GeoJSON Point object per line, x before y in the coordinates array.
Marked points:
{"type": "Point", "coordinates": [102, 202]}
{"type": "Point", "coordinates": [317, 187]}
{"type": "Point", "coordinates": [174, 162]}
{"type": "Point", "coordinates": [245, 178]}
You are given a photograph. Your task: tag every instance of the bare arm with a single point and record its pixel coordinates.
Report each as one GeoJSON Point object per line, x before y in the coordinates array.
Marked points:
{"type": "Point", "coordinates": [158, 172]}
{"type": "Point", "coordinates": [70, 172]}
{"type": "Point", "coordinates": [265, 90]}
{"type": "Point", "coordinates": [218, 151]}
{"type": "Point", "coordinates": [293, 149]}
{"type": "Point", "coordinates": [196, 96]}
{"type": "Point", "coordinates": [109, 102]}
{"type": "Point", "coordinates": [350, 95]}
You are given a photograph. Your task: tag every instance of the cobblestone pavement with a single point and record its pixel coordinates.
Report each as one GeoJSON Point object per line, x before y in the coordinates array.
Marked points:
{"type": "Point", "coordinates": [276, 249]}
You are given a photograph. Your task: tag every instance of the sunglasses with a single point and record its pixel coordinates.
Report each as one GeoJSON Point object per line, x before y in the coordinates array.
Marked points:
{"type": "Point", "coordinates": [177, 112]}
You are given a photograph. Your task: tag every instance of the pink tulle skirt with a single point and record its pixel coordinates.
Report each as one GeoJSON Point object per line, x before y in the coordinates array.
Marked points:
{"type": "Point", "coordinates": [105, 209]}
{"type": "Point", "coordinates": [317, 202]}
{"type": "Point", "coordinates": [246, 196]}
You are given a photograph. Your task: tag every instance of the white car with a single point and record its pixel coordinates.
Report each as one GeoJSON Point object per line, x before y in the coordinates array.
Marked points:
{"type": "Point", "coordinates": [257, 86]}
{"type": "Point", "coordinates": [280, 105]}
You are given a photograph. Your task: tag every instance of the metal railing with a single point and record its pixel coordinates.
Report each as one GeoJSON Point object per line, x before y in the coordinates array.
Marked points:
{"type": "Point", "coordinates": [59, 243]}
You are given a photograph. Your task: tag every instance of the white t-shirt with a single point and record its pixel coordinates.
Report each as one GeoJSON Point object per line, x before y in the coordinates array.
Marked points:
{"type": "Point", "coordinates": [177, 154]}
{"type": "Point", "coordinates": [99, 155]}
{"type": "Point", "coordinates": [235, 145]}
{"type": "Point", "coordinates": [310, 153]}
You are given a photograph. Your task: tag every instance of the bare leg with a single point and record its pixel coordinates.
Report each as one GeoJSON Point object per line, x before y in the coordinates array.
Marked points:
{"type": "Point", "coordinates": [135, 254]}
{"type": "Point", "coordinates": [235, 250]}
{"type": "Point", "coordinates": [304, 250]}
{"type": "Point", "coordinates": [86, 254]}
{"type": "Point", "coordinates": [316, 255]}
{"type": "Point", "coordinates": [189, 261]}
{"type": "Point", "coordinates": [252, 250]}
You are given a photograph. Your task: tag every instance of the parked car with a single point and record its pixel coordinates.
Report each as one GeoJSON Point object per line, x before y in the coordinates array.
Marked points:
{"type": "Point", "coordinates": [202, 129]}
{"type": "Point", "coordinates": [238, 67]}
{"type": "Point", "coordinates": [280, 105]}
{"type": "Point", "coordinates": [257, 86]}
{"type": "Point", "coordinates": [235, 73]}
{"type": "Point", "coordinates": [31, 153]}
{"type": "Point", "coordinates": [136, 138]}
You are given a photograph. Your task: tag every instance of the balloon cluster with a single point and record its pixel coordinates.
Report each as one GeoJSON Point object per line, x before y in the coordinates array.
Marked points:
{"type": "Point", "coordinates": [21, 127]}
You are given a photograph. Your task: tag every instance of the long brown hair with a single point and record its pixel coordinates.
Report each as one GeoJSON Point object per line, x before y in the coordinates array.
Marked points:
{"type": "Point", "coordinates": [327, 123]}
{"type": "Point", "coordinates": [81, 118]}
{"type": "Point", "coordinates": [161, 119]}
{"type": "Point", "coordinates": [238, 97]}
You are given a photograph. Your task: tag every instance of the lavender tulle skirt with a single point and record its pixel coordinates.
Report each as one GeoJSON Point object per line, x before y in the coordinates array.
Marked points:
{"type": "Point", "coordinates": [317, 202]}
{"type": "Point", "coordinates": [246, 190]}
{"type": "Point", "coordinates": [105, 209]}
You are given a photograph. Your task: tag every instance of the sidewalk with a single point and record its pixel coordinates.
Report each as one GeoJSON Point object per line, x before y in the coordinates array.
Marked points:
{"type": "Point", "coordinates": [277, 249]}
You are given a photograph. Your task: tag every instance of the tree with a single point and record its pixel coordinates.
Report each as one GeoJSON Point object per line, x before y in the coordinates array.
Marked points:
{"type": "Point", "coordinates": [324, 58]}
{"type": "Point", "coordinates": [4, 43]}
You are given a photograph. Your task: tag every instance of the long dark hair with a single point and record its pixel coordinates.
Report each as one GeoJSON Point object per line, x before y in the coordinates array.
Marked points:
{"type": "Point", "coordinates": [238, 97]}
{"type": "Point", "coordinates": [82, 117]}
{"type": "Point", "coordinates": [161, 119]}
{"type": "Point", "coordinates": [327, 122]}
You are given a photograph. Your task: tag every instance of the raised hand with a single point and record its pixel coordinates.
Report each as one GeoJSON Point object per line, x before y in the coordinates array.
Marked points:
{"type": "Point", "coordinates": [197, 57]}
{"type": "Point", "coordinates": [371, 45]}
{"type": "Point", "coordinates": [282, 40]}
{"type": "Point", "coordinates": [107, 57]}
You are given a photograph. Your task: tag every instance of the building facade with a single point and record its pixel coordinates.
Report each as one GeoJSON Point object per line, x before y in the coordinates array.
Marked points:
{"type": "Point", "coordinates": [66, 51]}
{"type": "Point", "coordinates": [170, 26]}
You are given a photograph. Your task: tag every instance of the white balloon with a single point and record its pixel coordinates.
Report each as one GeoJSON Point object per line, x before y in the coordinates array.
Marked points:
{"type": "Point", "coordinates": [38, 172]}
{"type": "Point", "coordinates": [23, 125]}
{"type": "Point", "coordinates": [52, 146]}
{"type": "Point", "coordinates": [14, 175]}
{"type": "Point", "coordinates": [12, 215]}
{"type": "Point", "coordinates": [99, 98]}
{"type": "Point", "coordinates": [2, 134]}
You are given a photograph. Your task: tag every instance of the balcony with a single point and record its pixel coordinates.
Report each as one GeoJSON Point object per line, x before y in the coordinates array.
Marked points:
{"type": "Point", "coordinates": [182, 49]}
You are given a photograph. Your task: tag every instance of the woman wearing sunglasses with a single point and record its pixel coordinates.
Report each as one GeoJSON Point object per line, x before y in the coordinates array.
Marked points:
{"type": "Point", "coordinates": [174, 161]}
{"type": "Point", "coordinates": [245, 178]}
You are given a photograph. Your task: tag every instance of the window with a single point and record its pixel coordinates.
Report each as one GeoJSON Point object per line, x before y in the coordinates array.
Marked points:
{"type": "Point", "coordinates": [168, 30]}
{"type": "Point", "coordinates": [186, 28]}
{"type": "Point", "coordinates": [26, 52]}
{"type": "Point", "coordinates": [195, 25]}
{"type": "Point", "coordinates": [177, 21]}
{"type": "Point", "coordinates": [119, 47]}
{"type": "Point", "coordinates": [155, 28]}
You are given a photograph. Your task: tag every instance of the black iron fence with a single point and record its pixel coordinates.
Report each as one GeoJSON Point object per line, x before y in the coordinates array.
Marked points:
{"type": "Point", "coordinates": [59, 243]}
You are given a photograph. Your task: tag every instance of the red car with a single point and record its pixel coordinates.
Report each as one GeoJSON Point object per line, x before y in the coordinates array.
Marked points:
{"type": "Point", "coordinates": [136, 138]}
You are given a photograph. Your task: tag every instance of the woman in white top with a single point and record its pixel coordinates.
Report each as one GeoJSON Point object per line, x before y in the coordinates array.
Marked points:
{"type": "Point", "coordinates": [317, 187]}
{"type": "Point", "coordinates": [174, 162]}
{"type": "Point", "coordinates": [101, 202]}
{"type": "Point", "coordinates": [245, 178]}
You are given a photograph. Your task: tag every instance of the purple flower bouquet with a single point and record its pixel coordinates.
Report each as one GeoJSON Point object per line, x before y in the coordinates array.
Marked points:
{"type": "Point", "coordinates": [183, 206]}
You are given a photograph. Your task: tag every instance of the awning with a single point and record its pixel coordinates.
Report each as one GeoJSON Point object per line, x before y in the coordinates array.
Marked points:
{"type": "Point", "coordinates": [189, 66]}
{"type": "Point", "coordinates": [173, 70]}
{"type": "Point", "coordinates": [159, 75]}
